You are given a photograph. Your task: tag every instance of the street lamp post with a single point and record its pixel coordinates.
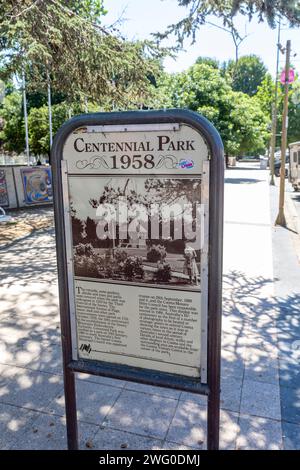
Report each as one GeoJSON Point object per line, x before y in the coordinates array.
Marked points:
{"type": "Point", "coordinates": [25, 116]}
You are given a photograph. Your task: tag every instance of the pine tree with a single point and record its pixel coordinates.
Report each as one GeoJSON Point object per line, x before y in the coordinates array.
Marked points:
{"type": "Point", "coordinates": [199, 10]}
{"type": "Point", "coordinates": [65, 42]}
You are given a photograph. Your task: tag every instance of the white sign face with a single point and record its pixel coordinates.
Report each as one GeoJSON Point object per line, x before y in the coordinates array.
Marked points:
{"type": "Point", "coordinates": [155, 150]}
{"type": "Point", "coordinates": [136, 237]}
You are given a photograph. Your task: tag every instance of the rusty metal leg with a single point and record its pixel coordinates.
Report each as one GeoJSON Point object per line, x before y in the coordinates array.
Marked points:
{"type": "Point", "coordinates": [213, 419]}
{"type": "Point", "coordinates": [71, 411]}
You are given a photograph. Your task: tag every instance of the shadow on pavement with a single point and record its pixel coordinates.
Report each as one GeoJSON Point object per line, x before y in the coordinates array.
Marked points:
{"type": "Point", "coordinates": [31, 386]}
{"type": "Point", "coordinates": [31, 395]}
{"type": "Point", "coordinates": [263, 333]}
{"type": "Point", "coordinates": [242, 180]}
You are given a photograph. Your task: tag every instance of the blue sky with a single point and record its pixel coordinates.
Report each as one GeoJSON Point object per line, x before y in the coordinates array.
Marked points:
{"type": "Point", "coordinates": [142, 17]}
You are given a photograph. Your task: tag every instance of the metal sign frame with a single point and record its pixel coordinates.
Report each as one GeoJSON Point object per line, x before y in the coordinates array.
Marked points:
{"type": "Point", "coordinates": [215, 245]}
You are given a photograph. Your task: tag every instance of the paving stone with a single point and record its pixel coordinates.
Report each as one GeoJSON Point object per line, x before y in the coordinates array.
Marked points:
{"type": "Point", "coordinates": [230, 325]}
{"type": "Point", "coordinates": [259, 434]}
{"type": "Point", "coordinates": [27, 298]}
{"type": "Point", "coordinates": [101, 380]}
{"type": "Point", "coordinates": [229, 340]}
{"type": "Point", "coordinates": [290, 404]}
{"type": "Point", "coordinates": [264, 322]}
{"type": "Point", "coordinates": [260, 399]}
{"type": "Point", "coordinates": [20, 353]}
{"type": "Point", "coordinates": [289, 373]}
{"type": "Point", "coordinates": [200, 399]}
{"type": "Point", "coordinates": [31, 389]}
{"type": "Point", "coordinates": [289, 348]}
{"type": "Point", "coordinates": [261, 365]}
{"type": "Point", "coordinates": [291, 436]}
{"type": "Point", "coordinates": [94, 401]}
{"type": "Point", "coordinates": [252, 337]}
{"type": "Point", "coordinates": [229, 429]}
{"type": "Point", "coordinates": [231, 389]}
{"type": "Point", "coordinates": [189, 426]}
{"type": "Point", "coordinates": [49, 433]}
{"type": "Point", "coordinates": [288, 322]}
{"type": "Point", "coordinates": [15, 328]}
{"type": "Point", "coordinates": [113, 439]}
{"type": "Point", "coordinates": [232, 362]}
{"type": "Point", "coordinates": [13, 423]}
{"type": "Point", "coordinates": [152, 390]}
{"type": "Point", "coordinates": [7, 373]}
{"type": "Point", "coordinates": [232, 369]}
{"type": "Point", "coordinates": [49, 359]}
{"type": "Point", "coordinates": [232, 372]}
{"type": "Point", "coordinates": [11, 333]}
{"type": "Point", "coordinates": [143, 414]}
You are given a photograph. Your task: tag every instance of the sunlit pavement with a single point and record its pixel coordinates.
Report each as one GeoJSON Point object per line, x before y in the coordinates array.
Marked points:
{"type": "Point", "coordinates": [260, 387]}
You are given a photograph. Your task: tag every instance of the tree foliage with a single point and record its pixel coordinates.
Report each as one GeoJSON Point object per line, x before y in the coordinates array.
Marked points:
{"type": "Point", "coordinates": [65, 42]}
{"type": "Point", "coordinates": [226, 10]}
{"type": "Point", "coordinates": [247, 74]}
{"type": "Point", "coordinates": [12, 135]}
{"type": "Point", "coordinates": [91, 10]}
{"type": "Point", "coordinates": [38, 127]}
{"type": "Point", "coordinates": [239, 118]}
{"type": "Point", "coordinates": [208, 61]}
{"type": "Point", "coordinates": [265, 94]}
{"type": "Point", "coordinates": [294, 113]}
{"type": "Point", "coordinates": [265, 97]}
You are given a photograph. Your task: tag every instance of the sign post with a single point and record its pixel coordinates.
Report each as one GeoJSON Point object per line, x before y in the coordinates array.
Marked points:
{"type": "Point", "coordinates": [139, 217]}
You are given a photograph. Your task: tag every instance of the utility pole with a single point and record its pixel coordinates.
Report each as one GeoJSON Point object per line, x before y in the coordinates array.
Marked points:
{"type": "Point", "coordinates": [49, 109]}
{"type": "Point", "coordinates": [25, 117]}
{"type": "Point", "coordinates": [280, 220]}
{"type": "Point", "coordinates": [274, 113]}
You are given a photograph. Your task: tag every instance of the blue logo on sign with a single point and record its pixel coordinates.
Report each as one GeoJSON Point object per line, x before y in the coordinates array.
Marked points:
{"type": "Point", "coordinates": [186, 164]}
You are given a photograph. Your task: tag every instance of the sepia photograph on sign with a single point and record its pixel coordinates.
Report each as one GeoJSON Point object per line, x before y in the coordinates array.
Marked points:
{"type": "Point", "coordinates": [138, 230]}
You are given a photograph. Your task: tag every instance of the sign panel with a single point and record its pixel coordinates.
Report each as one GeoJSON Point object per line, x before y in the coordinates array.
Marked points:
{"type": "Point", "coordinates": [139, 223]}
{"type": "Point", "coordinates": [139, 214]}
{"type": "Point", "coordinates": [290, 78]}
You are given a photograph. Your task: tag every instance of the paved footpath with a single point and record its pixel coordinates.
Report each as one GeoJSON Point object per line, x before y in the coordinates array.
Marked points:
{"type": "Point", "coordinates": [286, 256]}
{"type": "Point", "coordinates": [117, 414]}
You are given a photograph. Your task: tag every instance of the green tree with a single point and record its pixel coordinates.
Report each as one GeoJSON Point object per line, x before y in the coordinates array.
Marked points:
{"type": "Point", "coordinates": [38, 127]}
{"type": "Point", "coordinates": [250, 125]}
{"type": "Point", "coordinates": [208, 61]}
{"type": "Point", "coordinates": [294, 113]}
{"type": "Point", "coordinates": [65, 42]}
{"type": "Point", "coordinates": [247, 74]}
{"type": "Point", "coordinates": [40, 98]}
{"type": "Point", "coordinates": [265, 97]}
{"type": "Point", "coordinates": [239, 118]}
{"type": "Point", "coordinates": [92, 10]}
{"type": "Point", "coordinates": [12, 135]}
{"type": "Point", "coordinates": [265, 94]}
